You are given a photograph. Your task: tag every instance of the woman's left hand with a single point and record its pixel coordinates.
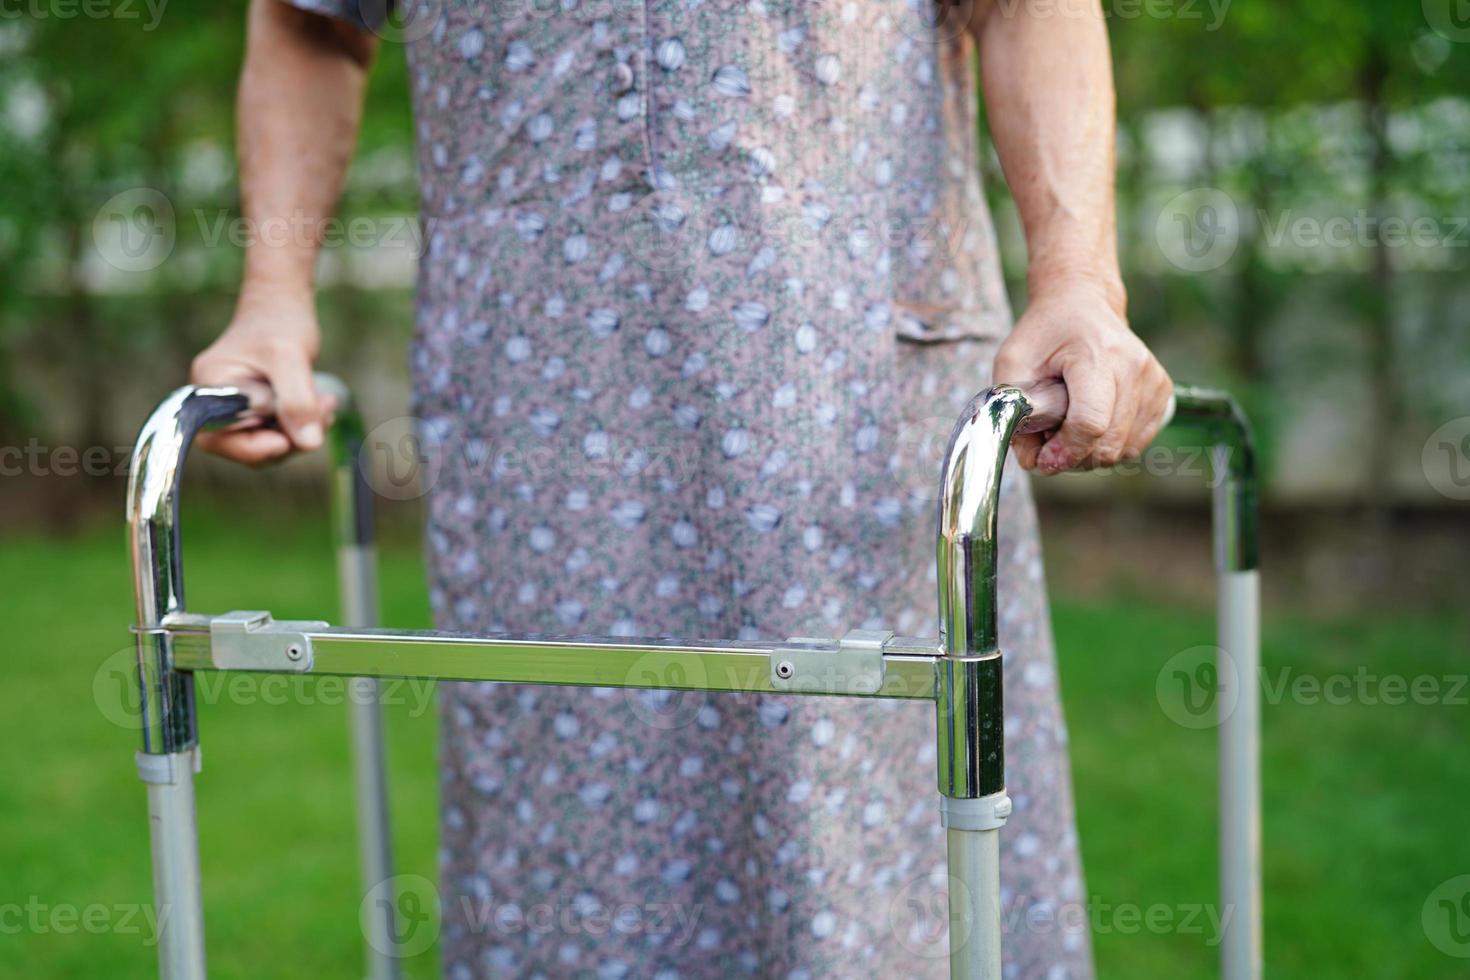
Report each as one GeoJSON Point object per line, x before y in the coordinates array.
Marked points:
{"type": "Point", "coordinates": [1118, 393]}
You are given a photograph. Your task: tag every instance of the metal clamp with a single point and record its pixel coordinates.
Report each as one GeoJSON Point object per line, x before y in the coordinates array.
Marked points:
{"type": "Point", "coordinates": [252, 640]}
{"type": "Point", "coordinates": [852, 665]}
{"type": "Point", "coordinates": [986, 813]}
{"type": "Point", "coordinates": [163, 769]}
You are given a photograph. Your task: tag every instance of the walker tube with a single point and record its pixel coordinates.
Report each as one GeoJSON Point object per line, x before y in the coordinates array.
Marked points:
{"type": "Point", "coordinates": [971, 750]}
{"type": "Point", "coordinates": [1236, 521]}
{"type": "Point", "coordinates": [166, 697]}
{"type": "Point", "coordinates": [158, 576]}
{"type": "Point", "coordinates": [969, 711]}
{"type": "Point", "coordinates": [357, 582]}
{"type": "Point", "coordinates": [1240, 777]}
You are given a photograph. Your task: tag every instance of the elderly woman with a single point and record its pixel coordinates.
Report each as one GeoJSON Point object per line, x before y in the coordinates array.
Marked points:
{"type": "Point", "coordinates": [699, 275]}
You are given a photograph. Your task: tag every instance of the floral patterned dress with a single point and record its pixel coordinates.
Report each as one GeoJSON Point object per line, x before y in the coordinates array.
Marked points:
{"type": "Point", "coordinates": [703, 281]}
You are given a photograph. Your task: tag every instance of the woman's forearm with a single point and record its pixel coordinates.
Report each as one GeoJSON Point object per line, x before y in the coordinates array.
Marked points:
{"type": "Point", "coordinates": [299, 107]}
{"type": "Point", "coordinates": [1049, 89]}
{"type": "Point", "coordinates": [1049, 96]}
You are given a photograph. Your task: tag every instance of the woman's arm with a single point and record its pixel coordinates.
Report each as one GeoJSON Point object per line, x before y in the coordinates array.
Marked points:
{"type": "Point", "coordinates": [1048, 84]}
{"type": "Point", "coordinates": [299, 105]}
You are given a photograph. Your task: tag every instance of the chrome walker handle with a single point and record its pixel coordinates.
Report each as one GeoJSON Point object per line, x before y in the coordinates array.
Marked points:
{"type": "Point", "coordinates": [157, 463]}
{"type": "Point", "coordinates": [969, 709]}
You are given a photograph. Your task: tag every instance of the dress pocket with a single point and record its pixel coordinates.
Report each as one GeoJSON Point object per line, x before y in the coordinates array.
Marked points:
{"type": "Point", "coordinates": [928, 323]}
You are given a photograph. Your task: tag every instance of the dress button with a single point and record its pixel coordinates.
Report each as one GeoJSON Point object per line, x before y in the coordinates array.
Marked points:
{"type": "Point", "coordinates": [622, 78]}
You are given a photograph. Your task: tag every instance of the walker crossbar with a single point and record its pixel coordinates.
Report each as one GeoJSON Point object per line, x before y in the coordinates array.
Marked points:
{"type": "Point", "coordinates": [960, 672]}
{"type": "Point", "coordinates": [906, 671]}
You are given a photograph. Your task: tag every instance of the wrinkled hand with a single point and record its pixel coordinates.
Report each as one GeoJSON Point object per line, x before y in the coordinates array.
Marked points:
{"type": "Point", "coordinates": [1118, 392]}
{"type": "Point", "coordinates": [271, 340]}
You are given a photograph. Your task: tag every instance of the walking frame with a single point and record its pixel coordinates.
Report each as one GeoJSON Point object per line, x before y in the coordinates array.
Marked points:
{"type": "Point", "coordinates": [960, 672]}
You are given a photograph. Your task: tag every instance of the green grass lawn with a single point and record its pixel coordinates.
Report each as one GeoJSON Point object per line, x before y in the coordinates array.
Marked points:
{"type": "Point", "coordinates": [1365, 804]}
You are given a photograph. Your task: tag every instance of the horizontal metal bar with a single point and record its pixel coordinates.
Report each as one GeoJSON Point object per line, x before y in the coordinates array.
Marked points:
{"type": "Point", "coordinates": [519, 658]}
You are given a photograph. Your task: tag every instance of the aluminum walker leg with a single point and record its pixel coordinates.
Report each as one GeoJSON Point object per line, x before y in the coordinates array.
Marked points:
{"type": "Point", "coordinates": [357, 582]}
{"type": "Point", "coordinates": [1239, 637]}
{"type": "Point", "coordinates": [170, 755]}
{"type": "Point", "coordinates": [974, 885]}
{"type": "Point", "coordinates": [970, 718]}
{"type": "Point", "coordinates": [969, 709]}
{"type": "Point", "coordinates": [174, 837]}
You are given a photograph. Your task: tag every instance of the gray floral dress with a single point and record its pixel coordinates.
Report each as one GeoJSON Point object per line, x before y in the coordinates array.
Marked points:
{"type": "Point", "coordinates": [703, 280]}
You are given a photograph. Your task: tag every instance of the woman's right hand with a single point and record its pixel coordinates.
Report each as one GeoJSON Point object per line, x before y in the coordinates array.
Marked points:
{"type": "Point", "coordinates": [272, 340]}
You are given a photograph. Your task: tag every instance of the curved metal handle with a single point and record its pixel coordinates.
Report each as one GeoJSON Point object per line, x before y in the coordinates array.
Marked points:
{"type": "Point", "coordinates": [970, 717]}
{"type": "Point", "coordinates": [970, 494]}
{"type": "Point", "coordinates": [153, 508]}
